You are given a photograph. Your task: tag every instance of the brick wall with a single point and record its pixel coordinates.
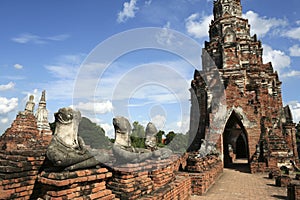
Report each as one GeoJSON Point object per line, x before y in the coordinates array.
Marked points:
{"type": "Point", "coordinates": [80, 184]}
{"type": "Point", "coordinates": [180, 188]}
{"type": "Point", "coordinates": [132, 181]}
{"type": "Point", "coordinates": [18, 173]}
{"type": "Point", "coordinates": [203, 173]}
{"type": "Point", "coordinates": [22, 155]}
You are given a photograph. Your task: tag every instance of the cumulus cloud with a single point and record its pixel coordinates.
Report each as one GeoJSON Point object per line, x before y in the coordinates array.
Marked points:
{"type": "Point", "coordinates": [8, 105]}
{"type": "Point", "coordinates": [197, 26]}
{"type": "Point", "coordinates": [295, 109]}
{"type": "Point", "coordinates": [95, 107]}
{"type": "Point", "coordinates": [8, 86]}
{"type": "Point", "coordinates": [148, 3]}
{"type": "Point", "coordinates": [129, 10]}
{"type": "Point", "coordinates": [36, 93]}
{"type": "Point", "coordinates": [159, 121]}
{"type": "Point", "coordinates": [183, 125]}
{"type": "Point", "coordinates": [4, 120]}
{"type": "Point", "coordinates": [293, 33]}
{"type": "Point", "coordinates": [18, 66]}
{"type": "Point", "coordinates": [278, 58]}
{"type": "Point", "coordinates": [36, 39]}
{"type": "Point", "coordinates": [292, 73]}
{"type": "Point", "coordinates": [165, 37]}
{"type": "Point", "coordinates": [295, 50]}
{"type": "Point", "coordinates": [109, 129]}
{"type": "Point", "coordinates": [62, 71]}
{"type": "Point", "coordinates": [262, 25]}
{"type": "Point", "coordinates": [66, 67]}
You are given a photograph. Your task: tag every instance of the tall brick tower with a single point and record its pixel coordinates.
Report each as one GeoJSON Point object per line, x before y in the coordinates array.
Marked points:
{"type": "Point", "coordinates": [258, 128]}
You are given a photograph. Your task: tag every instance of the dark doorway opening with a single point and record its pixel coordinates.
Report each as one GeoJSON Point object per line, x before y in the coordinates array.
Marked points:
{"type": "Point", "coordinates": [241, 151]}
{"type": "Point", "coordinates": [235, 143]}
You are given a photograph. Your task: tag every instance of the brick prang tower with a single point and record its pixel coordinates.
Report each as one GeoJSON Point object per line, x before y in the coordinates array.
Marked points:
{"type": "Point", "coordinates": [257, 126]}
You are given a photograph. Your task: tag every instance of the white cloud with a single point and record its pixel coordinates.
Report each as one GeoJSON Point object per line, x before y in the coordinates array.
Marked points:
{"type": "Point", "coordinates": [166, 37]}
{"type": "Point", "coordinates": [184, 125]}
{"type": "Point", "coordinates": [36, 39]}
{"type": "Point", "coordinates": [95, 107]}
{"type": "Point", "coordinates": [63, 71]}
{"type": "Point", "coordinates": [292, 73]}
{"type": "Point", "coordinates": [148, 3]}
{"type": "Point", "coordinates": [4, 120]}
{"type": "Point", "coordinates": [295, 109]}
{"type": "Point", "coordinates": [66, 67]}
{"type": "Point", "coordinates": [14, 77]}
{"type": "Point", "coordinates": [35, 94]}
{"type": "Point", "coordinates": [128, 11]}
{"type": "Point", "coordinates": [109, 129]}
{"type": "Point", "coordinates": [166, 82]}
{"type": "Point", "coordinates": [278, 58]}
{"type": "Point", "coordinates": [293, 33]}
{"type": "Point", "coordinates": [8, 86]}
{"type": "Point", "coordinates": [8, 105]}
{"type": "Point", "coordinates": [159, 121]}
{"type": "Point", "coordinates": [295, 50]}
{"type": "Point", "coordinates": [196, 26]}
{"type": "Point", "coordinates": [18, 66]}
{"type": "Point", "coordinates": [262, 25]}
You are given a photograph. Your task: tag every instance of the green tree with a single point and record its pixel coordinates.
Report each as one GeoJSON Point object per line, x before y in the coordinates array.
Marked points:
{"type": "Point", "coordinates": [138, 135]}
{"type": "Point", "coordinates": [52, 127]}
{"type": "Point", "coordinates": [159, 138]}
{"type": "Point", "coordinates": [169, 137]}
{"type": "Point", "coordinates": [179, 142]}
{"type": "Point", "coordinates": [93, 134]}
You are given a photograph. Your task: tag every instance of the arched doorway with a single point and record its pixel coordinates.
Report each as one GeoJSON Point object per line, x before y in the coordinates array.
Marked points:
{"type": "Point", "coordinates": [241, 148]}
{"type": "Point", "coordinates": [235, 141]}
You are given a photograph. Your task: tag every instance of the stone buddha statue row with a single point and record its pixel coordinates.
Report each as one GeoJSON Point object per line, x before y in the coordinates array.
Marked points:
{"type": "Point", "coordinates": [67, 150]}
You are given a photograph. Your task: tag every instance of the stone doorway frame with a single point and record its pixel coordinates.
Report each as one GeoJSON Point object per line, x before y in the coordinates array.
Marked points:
{"type": "Point", "coordinates": [234, 118]}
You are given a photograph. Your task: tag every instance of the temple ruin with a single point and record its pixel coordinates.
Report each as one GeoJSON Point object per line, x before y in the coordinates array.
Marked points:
{"type": "Point", "coordinates": [257, 126]}
{"type": "Point", "coordinates": [236, 113]}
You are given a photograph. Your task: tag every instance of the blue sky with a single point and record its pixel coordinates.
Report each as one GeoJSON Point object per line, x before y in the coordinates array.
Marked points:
{"type": "Point", "coordinates": [44, 43]}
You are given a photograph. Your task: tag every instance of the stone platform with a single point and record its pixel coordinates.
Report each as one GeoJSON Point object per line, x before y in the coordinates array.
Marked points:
{"type": "Point", "coordinates": [81, 184]}
{"type": "Point", "coordinates": [203, 173]}
{"type": "Point", "coordinates": [147, 179]}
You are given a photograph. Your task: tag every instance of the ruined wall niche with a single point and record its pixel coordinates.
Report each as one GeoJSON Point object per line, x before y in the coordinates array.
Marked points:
{"type": "Point", "coordinates": [229, 36]}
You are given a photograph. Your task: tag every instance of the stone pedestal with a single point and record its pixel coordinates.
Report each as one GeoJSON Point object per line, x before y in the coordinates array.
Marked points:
{"type": "Point", "coordinates": [274, 174]}
{"type": "Point", "coordinates": [293, 191]}
{"type": "Point", "coordinates": [81, 184]}
{"type": "Point", "coordinates": [151, 179]}
{"type": "Point", "coordinates": [282, 181]}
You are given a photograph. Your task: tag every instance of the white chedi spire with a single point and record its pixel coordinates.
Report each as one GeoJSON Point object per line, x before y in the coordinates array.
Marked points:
{"type": "Point", "coordinates": [42, 114]}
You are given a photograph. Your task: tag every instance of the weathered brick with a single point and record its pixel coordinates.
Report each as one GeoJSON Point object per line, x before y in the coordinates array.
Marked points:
{"type": "Point", "coordinates": [102, 170]}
